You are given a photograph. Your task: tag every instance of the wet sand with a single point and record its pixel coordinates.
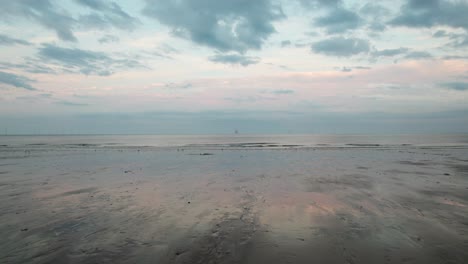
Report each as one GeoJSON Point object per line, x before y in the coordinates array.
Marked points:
{"type": "Point", "coordinates": [356, 204]}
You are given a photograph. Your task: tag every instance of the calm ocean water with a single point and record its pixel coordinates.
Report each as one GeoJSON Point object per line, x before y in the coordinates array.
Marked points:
{"type": "Point", "coordinates": [225, 141]}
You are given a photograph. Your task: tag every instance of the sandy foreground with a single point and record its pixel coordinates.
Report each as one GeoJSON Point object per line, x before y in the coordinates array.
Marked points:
{"type": "Point", "coordinates": [402, 204]}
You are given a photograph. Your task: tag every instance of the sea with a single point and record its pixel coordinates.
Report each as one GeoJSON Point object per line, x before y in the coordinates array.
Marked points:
{"type": "Point", "coordinates": [234, 141]}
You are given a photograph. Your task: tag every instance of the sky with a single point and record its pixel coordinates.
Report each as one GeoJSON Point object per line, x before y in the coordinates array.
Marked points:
{"type": "Point", "coordinates": [210, 66]}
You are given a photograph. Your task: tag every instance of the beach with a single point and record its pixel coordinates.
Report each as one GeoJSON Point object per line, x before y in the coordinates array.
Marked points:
{"type": "Point", "coordinates": [242, 201]}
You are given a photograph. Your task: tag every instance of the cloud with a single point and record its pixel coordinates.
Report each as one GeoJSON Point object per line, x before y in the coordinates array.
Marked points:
{"type": "Point", "coordinates": [43, 12]}
{"type": "Point", "coordinates": [457, 40]}
{"type": "Point", "coordinates": [47, 14]}
{"type": "Point", "coordinates": [68, 103]}
{"type": "Point", "coordinates": [418, 55]}
{"type": "Point", "coordinates": [223, 25]}
{"type": "Point", "coordinates": [339, 20]}
{"type": "Point", "coordinates": [455, 57]}
{"type": "Point", "coordinates": [375, 14]}
{"type": "Point", "coordinates": [362, 67]}
{"type": "Point", "coordinates": [9, 41]}
{"type": "Point", "coordinates": [458, 86]}
{"type": "Point", "coordinates": [389, 52]}
{"type": "Point", "coordinates": [320, 3]}
{"type": "Point", "coordinates": [31, 65]}
{"type": "Point", "coordinates": [234, 59]}
{"type": "Point", "coordinates": [177, 86]}
{"type": "Point", "coordinates": [85, 61]}
{"type": "Point", "coordinates": [350, 69]}
{"type": "Point", "coordinates": [110, 15]}
{"type": "Point", "coordinates": [285, 43]}
{"type": "Point", "coordinates": [244, 99]}
{"type": "Point", "coordinates": [341, 47]}
{"type": "Point", "coordinates": [282, 92]}
{"type": "Point", "coordinates": [16, 81]}
{"type": "Point", "coordinates": [373, 9]}
{"type": "Point", "coordinates": [408, 54]}
{"type": "Point", "coordinates": [440, 34]}
{"type": "Point", "coordinates": [108, 39]}
{"type": "Point", "coordinates": [460, 42]}
{"type": "Point", "coordinates": [429, 13]}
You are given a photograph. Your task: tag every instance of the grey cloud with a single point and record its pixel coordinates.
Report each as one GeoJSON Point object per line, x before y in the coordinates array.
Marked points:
{"type": "Point", "coordinates": [93, 21]}
{"type": "Point", "coordinates": [84, 61]}
{"type": "Point", "coordinates": [302, 43]}
{"type": "Point", "coordinates": [9, 41]}
{"type": "Point", "coordinates": [282, 92]}
{"type": "Point", "coordinates": [245, 99]}
{"type": "Point", "coordinates": [47, 14]}
{"type": "Point", "coordinates": [31, 65]}
{"type": "Point", "coordinates": [339, 20]}
{"type": "Point", "coordinates": [16, 81]}
{"type": "Point", "coordinates": [238, 25]}
{"type": "Point", "coordinates": [173, 86]}
{"type": "Point", "coordinates": [375, 13]}
{"type": "Point", "coordinates": [457, 40]}
{"type": "Point", "coordinates": [234, 59]}
{"type": "Point", "coordinates": [341, 47]}
{"type": "Point", "coordinates": [110, 15]}
{"type": "Point", "coordinates": [166, 48]}
{"type": "Point", "coordinates": [377, 27]}
{"type": "Point", "coordinates": [429, 13]}
{"type": "Point", "coordinates": [108, 39]}
{"type": "Point", "coordinates": [392, 86]}
{"type": "Point", "coordinates": [373, 9]}
{"type": "Point", "coordinates": [418, 55]}
{"type": "Point", "coordinates": [440, 34]}
{"type": "Point", "coordinates": [68, 103]}
{"type": "Point", "coordinates": [389, 52]}
{"type": "Point", "coordinates": [462, 41]}
{"type": "Point", "coordinates": [284, 67]}
{"type": "Point", "coordinates": [312, 34]}
{"type": "Point", "coordinates": [43, 12]}
{"type": "Point", "coordinates": [320, 3]}
{"type": "Point", "coordinates": [458, 86]}
{"type": "Point", "coordinates": [350, 69]}
{"type": "Point", "coordinates": [285, 43]}
{"type": "Point", "coordinates": [455, 57]}
{"type": "Point", "coordinates": [405, 52]}
{"type": "Point", "coordinates": [445, 34]}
